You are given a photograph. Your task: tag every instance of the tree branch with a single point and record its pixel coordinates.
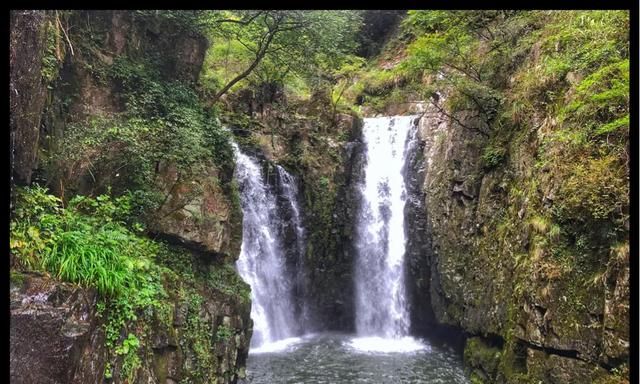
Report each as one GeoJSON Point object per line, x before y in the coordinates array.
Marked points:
{"type": "Point", "coordinates": [242, 21]}
{"type": "Point", "coordinates": [263, 46]}
{"type": "Point", "coordinates": [452, 117]}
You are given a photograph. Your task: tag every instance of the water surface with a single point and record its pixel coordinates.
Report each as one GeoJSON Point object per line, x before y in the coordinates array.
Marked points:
{"type": "Point", "coordinates": [337, 358]}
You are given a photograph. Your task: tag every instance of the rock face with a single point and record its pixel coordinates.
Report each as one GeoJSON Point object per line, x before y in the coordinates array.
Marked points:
{"type": "Point", "coordinates": [418, 246]}
{"type": "Point", "coordinates": [197, 213]}
{"type": "Point", "coordinates": [487, 276]}
{"type": "Point", "coordinates": [27, 90]}
{"type": "Point", "coordinates": [330, 274]}
{"type": "Point", "coordinates": [56, 333]}
{"type": "Point", "coordinates": [57, 336]}
{"type": "Point", "coordinates": [51, 325]}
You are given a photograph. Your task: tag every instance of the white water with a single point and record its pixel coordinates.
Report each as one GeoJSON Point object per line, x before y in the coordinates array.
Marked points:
{"type": "Point", "coordinates": [377, 344]}
{"type": "Point", "coordinates": [278, 345]}
{"type": "Point", "coordinates": [382, 318]}
{"type": "Point", "coordinates": [289, 189]}
{"type": "Point", "coordinates": [261, 261]}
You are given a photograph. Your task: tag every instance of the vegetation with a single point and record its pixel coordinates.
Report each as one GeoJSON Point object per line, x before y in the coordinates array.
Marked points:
{"type": "Point", "coordinates": [86, 243]}
{"type": "Point", "coordinates": [164, 123]}
{"type": "Point", "coordinates": [267, 47]}
{"type": "Point", "coordinates": [546, 87]}
{"type": "Point", "coordinates": [544, 94]}
{"type": "Point", "coordinates": [90, 243]}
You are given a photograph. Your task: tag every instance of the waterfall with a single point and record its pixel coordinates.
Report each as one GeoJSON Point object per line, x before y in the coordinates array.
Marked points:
{"type": "Point", "coordinates": [289, 189]}
{"type": "Point", "coordinates": [381, 308]}
{"type": "Point", "coordinates": [262, 260]}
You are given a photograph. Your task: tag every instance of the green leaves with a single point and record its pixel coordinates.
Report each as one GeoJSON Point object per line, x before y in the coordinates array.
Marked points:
{"type": "Point", "coordinates": [599, 107]}
{"type": "Point", "coordinates": [278, 46]}
{"type": "Point", "coordinates": [492, 156]}
{"type": "Point", "coordinates": [85, 243]}
{"type": "Point", "coordinates": [165, 123]}
{"type": "Point", "coordinates": [224, 333]}
{"type": "Point", "coordinates": [88, 244]}
{"type": "Point", "coordinates": [130, 344]}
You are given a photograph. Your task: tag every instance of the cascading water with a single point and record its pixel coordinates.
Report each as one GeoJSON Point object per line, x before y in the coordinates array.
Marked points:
{"type": "Point", "coordinates": [289, 189]}
{"type": "Point", "coordinates": [382, 351]}
{"type": "Point", "coordinates": [381, 309]}
{"type": "Point", "coordinates": [261, 261]}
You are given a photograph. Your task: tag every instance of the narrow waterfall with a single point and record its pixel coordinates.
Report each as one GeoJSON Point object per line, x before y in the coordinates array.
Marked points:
{"type": "Point", "coordinates": [381, 308]}
{"type": "Point", "coordinates": [262, 263]}
{"type": "Point", "coordinates": [289, 190]}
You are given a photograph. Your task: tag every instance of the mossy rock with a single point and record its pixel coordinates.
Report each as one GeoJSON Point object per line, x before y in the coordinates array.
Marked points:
{"type": "Point", "coordinates": [482, 358]}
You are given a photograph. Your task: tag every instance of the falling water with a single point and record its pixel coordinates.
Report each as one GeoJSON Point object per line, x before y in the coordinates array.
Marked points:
{"type": "Point", "coordinates": [289, 188]}
{"type": "Point", "coordinates": [381, 309]}
{"type": "Point", "coordinates": [261, 261]}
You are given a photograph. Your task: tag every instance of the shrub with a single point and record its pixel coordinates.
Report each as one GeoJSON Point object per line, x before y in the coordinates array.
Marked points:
{"type": "Point", "coordinates": [492, 156]}
{"type": "Point", "coordinates": [95, 251]}
{"type": "Point", "coordinates": [88, 244]}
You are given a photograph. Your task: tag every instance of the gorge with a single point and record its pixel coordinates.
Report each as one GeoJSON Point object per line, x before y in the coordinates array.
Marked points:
{"type": "Point", "coordinates": [337, 196]}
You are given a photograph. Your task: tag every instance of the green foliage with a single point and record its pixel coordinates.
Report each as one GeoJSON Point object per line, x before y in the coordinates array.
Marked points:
{"type": "Point", "coordinates": [34, 224]}
{"type": "Point", "coordinates": [597, 189]}
{"type": "Point", "coordinates": [188, 134]}
{"type": "Point", "coordinates": [198, 334]}
{"type": "Point", "coordinates": [50, 61]}
{"type": "Point", "coordinates": [600, 105]}
{"type": "Point", "coordinates": [165, 123]}
{"type": "Point", "coordinates": [220, 276]}
{"type": "Point", "coordinates": [297, 49]}
{"type": "Point", "coordinates": [131, 360]}
{"type": "Point", "coordinates": [87, 243]}
{"type": "Point", "coordinates": [178, 21]}
{"type": "Point", "coordinates": [224, 333]}
{"type": "Point", "coordinates": [120, 312]}
{"type": "Point", "coordinates": [102, 257]}
{"type": "Point", "coordinates": [571, 42]}
{"type": "Point", "coordinates": [123, 210]}
{"type": "Point", "coordinates": [378, 82]}
{"type": "Point", "coordinates": [586, 39]}
{"type": "Point", "coordinates": [225, 279]}
{"type": "Point", "coordinates": [492, 156]}
{"type": "Point", "coordinates": [418, 22]}
{"type": "Point", "coordinates": [480, 355]}
{"type": "Point", "coordinates": [89, 250]}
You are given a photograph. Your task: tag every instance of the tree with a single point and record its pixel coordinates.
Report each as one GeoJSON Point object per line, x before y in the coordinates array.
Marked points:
{"type": "Point", "coordinates": [460, 49]}
{"type": "Point", "coordinates": [280, 43]}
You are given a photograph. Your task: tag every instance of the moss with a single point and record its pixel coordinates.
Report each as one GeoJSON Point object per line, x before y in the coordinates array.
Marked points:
{"type": "Point", "coordinates": [481, 356]}
{"type": "Point", "coordinates": [619, 375]}
{"type": "Point", "coordinates": [196, 340]}
{"type": "Point", "coordinates": [224, 278]}
{"type": "Point", "coordinates": [224, 333]}
{"type": "Point", "coordinates": [492, 156]}
{"type": "Point", "coordinates": [51, 58]}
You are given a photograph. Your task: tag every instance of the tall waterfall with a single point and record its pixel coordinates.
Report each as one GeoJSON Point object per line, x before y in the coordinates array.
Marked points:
{"type": "Point", "coordinates": [381, 308]}
{"type": "Point", "coordinates": [262, 260]}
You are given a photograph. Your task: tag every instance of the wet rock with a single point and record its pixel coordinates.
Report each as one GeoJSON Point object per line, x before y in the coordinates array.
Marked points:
{"type": "Point", "coordinates": [56, 337]}
{"type": "Point", "coordinates": [27, 91]}
{"type": "Point", "coordinates": [197, 213]}
{"type": "Point", "coordinates": [482, 358]}
{"type": "Point", "coordinates": [555, 369]}
{"type": "Point", "coordinates": [49, 330]}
